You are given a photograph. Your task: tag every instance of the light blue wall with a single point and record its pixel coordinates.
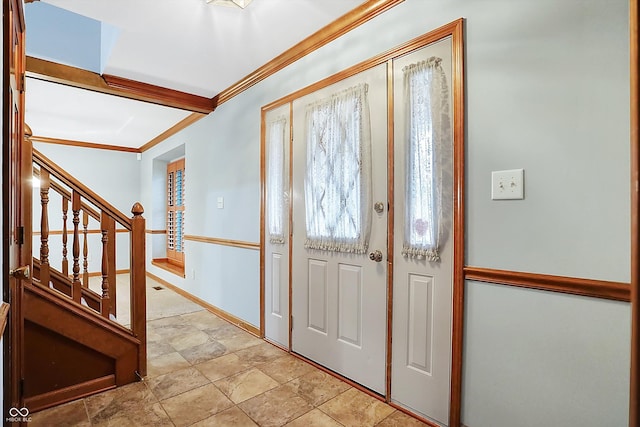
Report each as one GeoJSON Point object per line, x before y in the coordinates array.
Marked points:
{"type": "Point", "coordinates": [114, 175]}
{"type": "Point", "coordinates": [536, 358]}
{"type": "Point", "coordinates": [546, 90]}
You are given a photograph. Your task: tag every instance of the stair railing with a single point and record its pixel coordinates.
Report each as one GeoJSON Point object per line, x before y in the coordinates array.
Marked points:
{"type": "Point", "coordinates": [87, 207]}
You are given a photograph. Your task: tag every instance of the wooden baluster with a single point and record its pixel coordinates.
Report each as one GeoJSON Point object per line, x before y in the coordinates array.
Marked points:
{"type": "Point", "coordinates": [65, 261]}
{"type": "Point", "coordinates": [105, 301]}
{"type": "Point", "coordinates": [76, 291]}
{"type": "Point", "coordinates": [138, 284]}
{"type": "Point", "coordinates": [45, 183]}
{"type": "Point", "coordinates": [111, 255]}
{"type": "Point", "coordinates": [85, 250]}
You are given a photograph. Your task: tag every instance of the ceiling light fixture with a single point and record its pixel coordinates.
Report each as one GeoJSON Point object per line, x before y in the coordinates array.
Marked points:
{"type": "Point", "coordinates": [230, 3]}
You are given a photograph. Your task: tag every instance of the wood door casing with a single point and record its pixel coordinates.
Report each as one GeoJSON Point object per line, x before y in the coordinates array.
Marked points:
{"type": "Point", "coordinates": [16, 190]}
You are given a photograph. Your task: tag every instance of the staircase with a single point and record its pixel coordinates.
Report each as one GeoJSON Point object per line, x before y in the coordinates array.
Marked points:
{"type": "Point", "coordinates": [74, 339]}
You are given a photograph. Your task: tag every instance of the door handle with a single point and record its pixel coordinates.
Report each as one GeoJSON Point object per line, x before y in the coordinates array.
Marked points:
{"type": "Point", "coordinates": [20, 272]}
{"type": "Point", "coordinates": [375, 256]}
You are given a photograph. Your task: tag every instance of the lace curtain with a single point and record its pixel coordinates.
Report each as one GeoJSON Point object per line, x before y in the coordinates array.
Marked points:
{"type": "Point", "coordinates": [428, 135]}
{"type": "Point", "coordinates": [338, 175]}
{"type": "Point", "coordinates": [276, 180]}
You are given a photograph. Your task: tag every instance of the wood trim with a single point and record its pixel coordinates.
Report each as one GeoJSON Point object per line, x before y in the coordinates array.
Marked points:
{"type": "Point", "coordinates": [160, 95]}
{"type": "Point", "coordinates": [37, 291]}
{"type": "Point", "coordinates": [291, 225]}
{"type": "Point", "coordinates": [263, 201]}
{"type": "Point", "coordinates": [616, 291]}
{"type": "Point", "coordinates": [634, 47]}
{"type": "Point", "coordinates": [182, 124]}
{"type": "Point", "coordinates": [395, 52]}
{"type": "Point", "coordinates": [4, 315]}
{"type": "Point", "coordinates": [456, 29]}
{"type": "Point", "coordinates": [82, 144]}
{"type": "Point", "coordinates": [111, 85]}
{"type": "Point", "coordinates": [337, 28]}
{"type": "Point", "coordinates": [223, 242]}
{"type": "Point", "coordinates": [236, 321]}
{"type": "Point", "coordinates": [156, 231]}
{"type": "Point", "coordinates": [413, 415]}
{"type": "Point", "coordinates": [167, 265]}
{"type": "Point", "coordinates": [66, 394]}
{"type": "Point", "coordinates": [390, 222]}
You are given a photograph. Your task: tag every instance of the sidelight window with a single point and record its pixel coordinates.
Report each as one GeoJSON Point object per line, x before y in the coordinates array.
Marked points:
{"type": "Point", "coordinates": [428, 141]}
{"type": "Point", "coordinates": [276, 180]}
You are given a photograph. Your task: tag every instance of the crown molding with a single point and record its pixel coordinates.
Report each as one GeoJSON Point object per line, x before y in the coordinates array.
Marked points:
{"type": "Point", "coordinates": [325, 35]}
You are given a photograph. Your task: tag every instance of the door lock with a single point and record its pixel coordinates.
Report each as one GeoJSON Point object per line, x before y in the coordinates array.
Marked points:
{"type": "Point", "coordinates": [378, 207]}
{"type": "Point", "coordinates": [20, 272]}
{"type": "Point", "coordinates": [375, 256]}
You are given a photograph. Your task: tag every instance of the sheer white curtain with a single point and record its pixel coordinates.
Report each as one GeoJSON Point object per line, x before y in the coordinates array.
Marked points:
{"type": "Point", "coordinates": [276, 191]}
{"type": "Point", "coordinates": [338, 175]}
{"type": "Point", "coordinates": [428, 131]}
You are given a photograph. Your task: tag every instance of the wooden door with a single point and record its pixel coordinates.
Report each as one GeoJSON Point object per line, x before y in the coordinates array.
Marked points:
{"type": "Point", "coordinates": [340, 299]}
{"type": "Point", "coordinates": [276, 247]}
{"type": "Point", "coordinates": [17, 191]}
{"type": "Point", "coordinates": [422, 289]}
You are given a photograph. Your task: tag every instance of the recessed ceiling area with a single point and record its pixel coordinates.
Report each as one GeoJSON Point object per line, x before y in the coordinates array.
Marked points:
{"type": "Point", "coordinates": [68, 113]}
{"type": "Point", "coordinates": [188, 45]}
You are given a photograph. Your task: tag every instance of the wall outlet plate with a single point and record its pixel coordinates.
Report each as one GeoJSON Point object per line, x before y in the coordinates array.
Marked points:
{"type": "Point", "coordinates": [507, 185]}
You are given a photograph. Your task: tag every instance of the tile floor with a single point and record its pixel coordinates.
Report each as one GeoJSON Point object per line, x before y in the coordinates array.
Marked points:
{"type": "Point", "coordinates": [203, 371]}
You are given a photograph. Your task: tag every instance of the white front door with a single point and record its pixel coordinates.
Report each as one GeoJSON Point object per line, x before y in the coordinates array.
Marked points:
{"type": "Point", "coordinates": [340, 299]}
{"type": "Point", "coordinates": [276, 248]}
{"type": "Point", "coordinates": [422, 289]}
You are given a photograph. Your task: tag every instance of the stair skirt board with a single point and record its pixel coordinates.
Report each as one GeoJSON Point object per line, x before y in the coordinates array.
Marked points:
{"type": "Point", "coordinates": [71, 351]}
{"type": "Point", "coordinates": [53, 361]}
{"type": "Point", "coordinates": [67, 394]}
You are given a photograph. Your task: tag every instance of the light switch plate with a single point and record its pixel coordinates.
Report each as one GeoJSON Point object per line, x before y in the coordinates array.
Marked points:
{"type": "Point", "coordinates": [220, 202]}
{"type": "Point", "coordinates": [507, 185]}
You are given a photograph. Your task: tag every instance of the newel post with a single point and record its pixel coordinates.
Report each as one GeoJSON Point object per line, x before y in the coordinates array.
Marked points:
{"type": "Point", "coordinates": [138, 284]}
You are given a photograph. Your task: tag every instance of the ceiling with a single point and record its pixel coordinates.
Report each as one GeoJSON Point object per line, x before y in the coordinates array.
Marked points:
{"type": "Point", "coordinates": [184, 45]}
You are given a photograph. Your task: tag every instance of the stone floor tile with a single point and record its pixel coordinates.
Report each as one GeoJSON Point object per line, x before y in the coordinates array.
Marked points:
{"type": "Point", "coordinates": [245, 385]}
{"type": "Point", "coordinates": [196, 405]}
{"type": "Point", "coordinates": [174, 383]}
{"type": "Point", "coordinates": [354, 408]}
{"type": "Point", "coordinates": [275, 407]}
{"type": "Point", "coordinates": [70, 414]}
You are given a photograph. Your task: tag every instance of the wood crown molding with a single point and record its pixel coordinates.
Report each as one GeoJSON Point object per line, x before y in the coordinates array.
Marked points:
{"type": "Point", "coordinates": [616, 291]}
{"type": "Point", "coordinates": [83, 144]}
{"type": "Point", "coordinates": [325, 35]}
{"type": "Point", "coordinates": [112, 85]}
{"type": "Point", "coordinates": [187, 121]}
